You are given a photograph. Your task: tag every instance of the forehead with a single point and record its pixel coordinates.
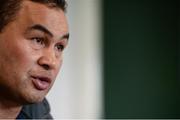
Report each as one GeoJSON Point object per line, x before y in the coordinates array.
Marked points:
{"type": "Point", "coordinates": [36, 13]}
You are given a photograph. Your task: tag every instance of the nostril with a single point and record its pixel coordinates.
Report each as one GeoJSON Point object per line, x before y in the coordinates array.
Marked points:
{"type": "Point", "coordinates": [46, 67]}
{"type": "Point", "coordinates": [46, 62]}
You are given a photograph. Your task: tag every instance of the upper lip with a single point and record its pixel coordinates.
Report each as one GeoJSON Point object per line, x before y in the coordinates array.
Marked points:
{"type": "Point", "coordinates": [42, 78]}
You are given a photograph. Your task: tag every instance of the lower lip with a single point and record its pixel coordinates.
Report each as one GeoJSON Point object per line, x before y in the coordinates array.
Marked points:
{"type": "Point", "coordinates": [40, 85]}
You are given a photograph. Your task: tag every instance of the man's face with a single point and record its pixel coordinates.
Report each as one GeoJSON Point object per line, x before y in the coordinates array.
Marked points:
{"type": "Point", "coordinates": [31, 49]}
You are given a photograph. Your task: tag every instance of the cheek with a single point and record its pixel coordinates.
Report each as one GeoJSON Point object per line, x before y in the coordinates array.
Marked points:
{"type": "Point", "coordinates": [13, 67]}
{"type": "Point", "coordinates": [18, 57]}
{"type": "Point", "coordinates": [21, 58]}
{"type": "Point", "coordinates": [59, 65]}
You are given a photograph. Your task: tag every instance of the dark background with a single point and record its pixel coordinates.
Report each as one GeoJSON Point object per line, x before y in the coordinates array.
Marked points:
{"type": "Point", "coordinates": [141, 61]}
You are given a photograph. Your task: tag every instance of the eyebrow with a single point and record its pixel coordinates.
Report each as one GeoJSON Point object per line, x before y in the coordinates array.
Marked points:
{"type": "Point", "coordinates": [41, 28]}
{"type": "Point", "coordinates": [66, 36]}
{"type": "Point", "coordinates": [45, 30]}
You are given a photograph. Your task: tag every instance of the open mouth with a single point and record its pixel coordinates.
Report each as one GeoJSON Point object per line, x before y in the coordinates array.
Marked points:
{"type": "Point", "coordinates": [41, 83]}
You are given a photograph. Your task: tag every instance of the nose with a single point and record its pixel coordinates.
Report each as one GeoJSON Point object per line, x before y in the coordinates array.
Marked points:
{"type": "Point", "coordinates": [48, 59]}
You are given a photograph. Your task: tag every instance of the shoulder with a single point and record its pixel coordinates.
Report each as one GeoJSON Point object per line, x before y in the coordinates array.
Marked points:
{"type": "Point", "coordinates": [39, 110]}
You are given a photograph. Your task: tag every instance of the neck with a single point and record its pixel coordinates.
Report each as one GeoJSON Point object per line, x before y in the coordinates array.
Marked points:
{"type": "Point", "coordinates": [9, 109]}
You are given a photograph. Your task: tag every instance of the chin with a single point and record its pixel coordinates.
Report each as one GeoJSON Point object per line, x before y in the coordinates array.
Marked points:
{"type": "Point", "coordinates": [31, 95]}
{"type": "Point", "coordinates": [32, 98]}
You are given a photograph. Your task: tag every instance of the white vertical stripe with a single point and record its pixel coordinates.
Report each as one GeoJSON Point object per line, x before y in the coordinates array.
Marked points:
{"type": "Point", "coordinates": [77, 92]}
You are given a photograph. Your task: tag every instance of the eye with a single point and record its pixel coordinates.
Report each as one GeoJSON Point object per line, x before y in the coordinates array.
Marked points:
{"type": "Point", "coordinates": [38, 40]}
{"type": "Point", "coordinates": [60, 47]}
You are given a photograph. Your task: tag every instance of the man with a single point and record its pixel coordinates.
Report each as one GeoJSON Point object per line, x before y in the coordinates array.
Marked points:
{"type": "Point", "coordinates": [33, 35]}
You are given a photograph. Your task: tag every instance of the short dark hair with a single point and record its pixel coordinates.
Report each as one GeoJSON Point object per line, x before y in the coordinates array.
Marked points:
{"type": "Point", "coordinates": [9, 9]}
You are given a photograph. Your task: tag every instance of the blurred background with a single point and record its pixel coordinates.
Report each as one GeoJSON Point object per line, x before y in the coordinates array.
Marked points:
{"type": "Point", "coordinates": [122, 61]}
{"type": "Point", "coordinates": [78, 90]}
